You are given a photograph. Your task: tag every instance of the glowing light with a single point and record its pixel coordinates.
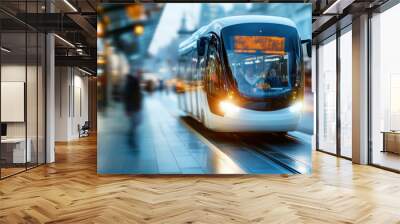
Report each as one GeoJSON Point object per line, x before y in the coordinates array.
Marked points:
{"type": "Point", "coordinates": [296, 108]}
{"type": "Point", "coordinates": [267, 44]}
{"type": "Point", "coordinates": [101, 61]}
{"type": "Point", "coordinates": [100, 29]}
{"type": "Point", "coordinates": [70, 5]}
{"type": "Point", "coordinates": [228, 107]}
{"type": "Point", "coordinates": [106, 20]}
{"type": "Point", "coordinates": [135, 11]}
{"type": "Point", "coordinates": [64, 40]}
{"type": "Point", "coordinates": [139, 30]}
{"type": "Point", "coordinates": [271, 59]}
{"type": "Point", "coordinates": [84, 71]}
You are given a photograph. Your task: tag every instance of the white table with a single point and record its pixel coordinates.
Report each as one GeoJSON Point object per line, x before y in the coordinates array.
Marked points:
{"type": "Point", "coordinates": [19, 153]}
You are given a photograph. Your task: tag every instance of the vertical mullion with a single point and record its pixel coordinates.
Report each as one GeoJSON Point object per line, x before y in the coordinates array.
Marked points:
{"type": "Point", "coordinates": [45, 86]}
{"type": "Point", "coordinates": [0, 93]}
{"type": "Point", "coordinates": [69, 92]}
{"type": "Point", "coordinates": [369, 79]}
{"type": "Point", "coordinates": [338, 73]}
{"type": "Point", "coordinates": [45, 94]}
{"type": "Point", "coordinates": [317, 97]}
{"type": "Point", "coordinates": [37, 88]}
{"type": "Point", "coordinates": [72, 92]}
{"type": "Point", "coordinates": [60, 76]}
{"type": "Point", "coordinates": [26, 86]}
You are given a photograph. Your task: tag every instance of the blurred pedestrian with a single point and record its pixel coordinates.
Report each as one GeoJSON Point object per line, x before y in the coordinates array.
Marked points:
{"type": "Point", "coordinates": [133, 104]}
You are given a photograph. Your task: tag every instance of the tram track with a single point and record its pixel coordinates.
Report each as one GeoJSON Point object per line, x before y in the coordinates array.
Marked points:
{"type": "Point", "coordinates": [238, 141]}
{"type": "Point", "coordinates": [286, 161]}
{"type": "Point", "coordinates": [267, 146]}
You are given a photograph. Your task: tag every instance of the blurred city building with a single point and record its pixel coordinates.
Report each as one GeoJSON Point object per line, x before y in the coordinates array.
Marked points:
{"type": "Point", "coordinates": [128, 31]}
{"type": "Point", "coordinates": [298, 13]}
{"type": "Point", "coordinates": [209, 12]}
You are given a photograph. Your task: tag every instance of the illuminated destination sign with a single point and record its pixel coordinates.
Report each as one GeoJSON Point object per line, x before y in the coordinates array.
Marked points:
{"type": "Point", "coordinates": [266, 44]}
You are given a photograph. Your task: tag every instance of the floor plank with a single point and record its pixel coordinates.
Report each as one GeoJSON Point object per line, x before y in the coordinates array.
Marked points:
{"type": "Point", "coordinates": [70, 191]}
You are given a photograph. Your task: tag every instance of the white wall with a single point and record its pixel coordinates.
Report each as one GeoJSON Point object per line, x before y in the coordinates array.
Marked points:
{"type": "Point", "coordinates": [71, 94]}
{"type": "Point", "coordinates": [80, 109]}
{"type": "Point", "coordinates": [62, 81]}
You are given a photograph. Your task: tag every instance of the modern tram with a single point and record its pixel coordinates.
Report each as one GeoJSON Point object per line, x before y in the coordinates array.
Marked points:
{"type": "Point", "coordinates": [243, 74]}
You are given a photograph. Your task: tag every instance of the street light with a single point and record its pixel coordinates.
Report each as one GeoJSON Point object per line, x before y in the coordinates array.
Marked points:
{"type": "Point", "coordinates": [138, 30]}
{"type": "Point", "coordinates": [135, 11]}
{"type": "Point", "coordinates": [100, 29]}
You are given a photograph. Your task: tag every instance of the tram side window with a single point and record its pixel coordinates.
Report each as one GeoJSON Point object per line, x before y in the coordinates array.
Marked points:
{"type": "Point", "coordinates": [194, 70]}
{"type": "Point", "coordinates": [213, 71]}
{"type": "Point", "coordinates": [181, 68]}
{"type": "Point", "coordinates": [187, 68]}
{"type": "Point", "coordinates": [202, 68]}
{"type": "Point", "coordinates": [190, 64]}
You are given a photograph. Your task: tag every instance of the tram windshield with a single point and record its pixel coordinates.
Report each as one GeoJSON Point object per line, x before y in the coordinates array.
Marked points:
{"type": "Point", "coordinates": [264, 58]}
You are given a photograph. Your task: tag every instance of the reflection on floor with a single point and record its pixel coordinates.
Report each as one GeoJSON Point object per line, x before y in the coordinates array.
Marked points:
{"type": "Point", "coordinates": [10, 171]}
{"type": "Point", "coordinates": [165, 143]}
{"type": "Point", "coordinates": [387, 159]}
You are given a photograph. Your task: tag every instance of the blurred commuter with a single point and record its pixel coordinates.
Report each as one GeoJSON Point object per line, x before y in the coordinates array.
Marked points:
{"type": "Point", "coordinates": [133, 105]}
{"type": "Point", "coordinates": [160, 85]}
{"type": "Point", "coordinates": [247, 78]}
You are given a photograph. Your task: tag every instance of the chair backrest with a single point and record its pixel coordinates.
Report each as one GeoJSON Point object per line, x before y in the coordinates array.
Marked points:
{"type": "Point", "coordinates": [86, 124]}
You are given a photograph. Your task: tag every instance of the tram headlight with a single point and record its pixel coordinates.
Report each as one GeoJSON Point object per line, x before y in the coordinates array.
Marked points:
{"type": "Point", "coordinates": [228, 107]}
{"type": "Point", "coordinates": [296, 107]}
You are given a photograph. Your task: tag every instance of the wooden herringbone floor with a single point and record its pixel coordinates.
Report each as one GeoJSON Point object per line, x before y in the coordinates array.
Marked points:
{"type": "Point", "coordinates": [70, 191]}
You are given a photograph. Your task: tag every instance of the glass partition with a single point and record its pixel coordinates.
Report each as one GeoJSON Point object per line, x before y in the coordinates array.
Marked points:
{"type": "Point", "coordinates": [41, 96]}
{"type": "Point", "coordinates": [385, 89]}
{"type": "Point", "coordinates": [327, 96]}
{"type": "Point", "coordinates": [15, 149]}
{"type": "Point", "coordinates": [22, 89]}
{"type": "Point", "coordinates": [346, 93]}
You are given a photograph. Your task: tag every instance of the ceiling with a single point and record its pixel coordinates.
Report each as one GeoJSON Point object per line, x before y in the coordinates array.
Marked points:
{"type": "Point", "coordinates": [330, 15]}
{"type": "Point", "coordinates": [75, 21]}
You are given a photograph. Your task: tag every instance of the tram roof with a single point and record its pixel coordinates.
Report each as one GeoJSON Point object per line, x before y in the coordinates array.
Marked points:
{"type": "Point", "coordinates": [217, 25]}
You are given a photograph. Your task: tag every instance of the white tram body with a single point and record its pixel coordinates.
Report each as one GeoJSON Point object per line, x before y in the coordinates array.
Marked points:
{"type": "Point", "coordinates": [243, 74]}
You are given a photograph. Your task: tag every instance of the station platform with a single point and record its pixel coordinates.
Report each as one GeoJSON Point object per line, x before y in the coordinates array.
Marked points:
{"type": "Point", "coordinates": [165, 141]}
